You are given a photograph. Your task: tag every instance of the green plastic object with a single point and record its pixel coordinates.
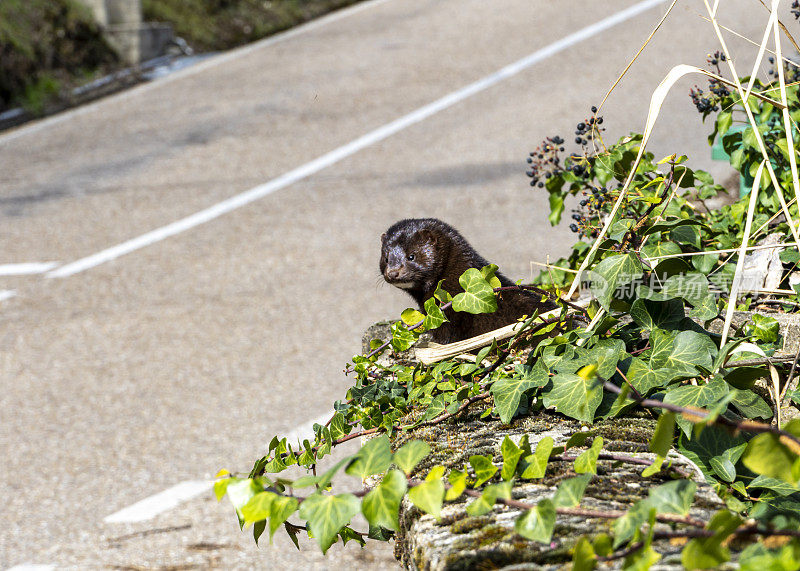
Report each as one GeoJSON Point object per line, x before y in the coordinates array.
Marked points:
{"type": "Point", "coordinates": [719, 154]}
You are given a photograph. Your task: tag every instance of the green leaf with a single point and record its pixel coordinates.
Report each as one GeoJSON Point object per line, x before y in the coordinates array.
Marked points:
{"type": "Point", "coordinates": [696, 397]}
{"type": "Point", "coordinates": [280, 510]}
{"type": "Point", "coordinates": [537, 523]}
{"type": "Point", "coordinates": [428, 496]}
{"type": "Point", "coordinates": [221, 487]}
{"type": "Point", "coordinates": [258, 507]}
{"type": "Point", "coordinates": [644, 379]}
{"type": "Point", "coordinates": [714, 451]}
{"type": "Point", "coordinates": [750, 405]}
{"type": "Point", "coordinates": [411, 316]}
{"type": "Point", "coordinates": [373, 458]}
{"type": "Point", "coordinates": [240, 492]}
{"type": "Point", "coordinates": [574, 396]}
{"type": "Point", "coordinates": [583, 556]}
{"type": "Point", "coordinates": [689, 349]}
{"type": "Point", "coordinates": [673, 497]}
{"type": "Point", "coordinates": [410, 454]}
{"type": "Point", "coordinates": [626, 526]}
{"type": "Point", "coordinates": [483, 467]}
{"type": "Point", "coordinates": [488, 273]}
{"type": "Point", "coordinates": [458, 483]}
{"type": "Point", "coordinates": [612, 273]}
{"type": "Point", "coordinates": [768, 456]}
{"type": "Point", "coordinates": [534, 465]}
{"type": "Point", "coordinates": [708, 552]}
{"type": "Point", "coordinates": [477, 297]}
{"type": "Point", "coordinates": [778, 486]}
{"type": "Point", "coordinates": [327, 515]}
{"type": "Point", "coordinates": [661, 443]}
{"type": "Point", "coordinates": [402, 338]}
{"type": "Point", "coordinates": [570, 491]}
{"type": "Point", "coordinates": [382, 505]}
{"type": "Point", "coordinates": [507, 392]}
{"type": "Point", "coordinates": [765, 328]}
{"type": "Point", "coordinates": [587, 461]}
{"type": "Point", "coordinates": [485, 503]}
{"type": "Point", "coordinates": [511, 455]}
{"type": "Point", "coordinates": [435, 317]}
{"type": "Point", "coordinates": [757, 557]}
{"type": "Point", "coordinates": [652, 314]}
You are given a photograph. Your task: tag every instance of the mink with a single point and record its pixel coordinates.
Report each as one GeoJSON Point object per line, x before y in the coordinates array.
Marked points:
{"type": "Point", "coordinates": [416, 254]}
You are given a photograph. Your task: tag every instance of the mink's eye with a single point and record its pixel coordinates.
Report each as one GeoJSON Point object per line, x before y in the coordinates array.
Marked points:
{"type": "Point", "coordinates": [410, 257]}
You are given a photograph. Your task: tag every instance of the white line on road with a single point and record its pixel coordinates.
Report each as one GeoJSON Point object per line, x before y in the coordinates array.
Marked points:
{"type": "Point", "coordinates": [192, 70]}
{"type": "Point", "coordinates": [7, 294]}
{"type": "Point", "coordinates": [150, 507]}
{"type": "Point", "coordinates": [32, 567]}
{"type": "Point", "coordinates": [351, 148]}
{"type": "Point", "coordinates": [26, 269]}
{"type": "Point", "coordinates": [306, 430]}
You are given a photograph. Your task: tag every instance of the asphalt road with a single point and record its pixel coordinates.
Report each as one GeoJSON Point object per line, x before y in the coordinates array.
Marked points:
{"type": "Point", "coordinates": [187, 353]}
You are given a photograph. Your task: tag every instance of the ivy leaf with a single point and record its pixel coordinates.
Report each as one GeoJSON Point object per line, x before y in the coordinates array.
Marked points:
{"type": "Point", "coordinates": [485, 503]}
{"type": "Point", "coordinates": [570, 491]}
{"type": "Point", "coordinates": [673, 497]}
{"type": "Point", "coordinates": [258, 507]}
{"type": "Point", "coordinates": [488, 273]}
{"type": "Point", "coordinates": [240, 492]}
{"type": "Point", "coordinates": [410, 454]}
{"type": "Point", "coordinates": [534, 465]}
{"type": "Point", "coordinates": [583, 556]}
{"type": "Point", "coordinates": [382, 505]}
{"type": "Point", "coordinates": [610, 274]}
{"type": "Point", "coordinates": [435, 316]}
{"type": "Point", "coordinates": [511, 454]}
{"type": "Point", "coordinates": [689, 349]}
{"type": "Point", "coordinates": [483, 467]}
{"type": "Point", "coordinates": [751, 405]}
{"type": "Point", "coordinates": [507, 392]}
{"type": "Point", "coordinates": [758, 557]}
{"type": "Point", "coordinates": [458, 483]}
{"type": "Point", "coordinates": [327, 515]}
{"type": "Point", "coordinates": [402, 338]}
{"type": "Point", "coordinates": [477, 297]}
{"type": "Point", "coordinates": [715, 452]}
{"type": "Point", "coordinates": [587, 461]}
{"type": "Point", "coordinates": [652, 314]}
{"type": "Point", "coordinates": [778, 486]}
{"type": "Point", "coordinates": [626, 526]}
{"type": "Point", "coordinates": [644, 379]}
{"type": "Point", "coordinates": [280, 510]}
{"type": "Point", "coordinates": [661, 442]}
{"type": "Point", "coordinates": [708, 552]}
{"type": "Point", "coordinates": [767, 455]}
{"type": "Point", "coordinates": [574, 396]}
{"type": "Point", "coordinates": [373, 458]}
{"type": "Point", "coordinates": [429, 495]}
{"type": "Point", "coordinates": [537, 523]}
{"type": "Point", "coordinates": [411, 317]}
{"type": "Point", "coordinates": [696, 397]}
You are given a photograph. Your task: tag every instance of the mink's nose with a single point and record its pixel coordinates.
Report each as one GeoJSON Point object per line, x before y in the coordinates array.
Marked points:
{"type": "Point", "coordinates": [392, 274]}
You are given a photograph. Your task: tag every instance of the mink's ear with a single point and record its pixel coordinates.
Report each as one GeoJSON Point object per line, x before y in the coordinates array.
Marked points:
{"type": "Point", "coordinates": [428, 236]}
{"type": "Point", "coordinates": [383, 237]}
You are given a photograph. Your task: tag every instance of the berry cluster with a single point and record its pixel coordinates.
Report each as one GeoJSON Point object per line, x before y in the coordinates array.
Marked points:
{"type": "Point", "coordinates": [791, 73]}
{"type": "Point", "coordinates": [796, 9]}
{"type": "Point", "coordinates": [704, 104]}
{"type": "Point", "coordinates": [545, 161]}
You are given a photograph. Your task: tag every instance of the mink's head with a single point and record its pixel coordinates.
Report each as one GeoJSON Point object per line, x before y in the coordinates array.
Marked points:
{"type": "Point", "coordinates": [412, 254]}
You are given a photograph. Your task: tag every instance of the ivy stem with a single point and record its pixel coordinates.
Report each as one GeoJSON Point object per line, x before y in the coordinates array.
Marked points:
{"type": "Point", "coordinates": [699, 414]}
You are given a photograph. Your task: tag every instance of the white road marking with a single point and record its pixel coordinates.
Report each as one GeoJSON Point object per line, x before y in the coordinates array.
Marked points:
{"type": "Point", "coordinates": [351, 148]}
{"type": "Point", "coordinates": [32, 567]}
{"type": "Point", "coordinates": [149, 508]}
{"type": "Point", "coordinates": [306, 430]}
{"type": "Point", "coordinates": [7, 294]}
{"type": "Point", "coordinates": [26, 269]}
{"type": "Point", "coordinates": [152, 506]}
{"type": "Point", "coordinates": [192, 70]}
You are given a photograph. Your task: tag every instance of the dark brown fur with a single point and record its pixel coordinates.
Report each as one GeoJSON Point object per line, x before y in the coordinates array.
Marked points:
{"type": "Point", "coordinates": [418, 253]}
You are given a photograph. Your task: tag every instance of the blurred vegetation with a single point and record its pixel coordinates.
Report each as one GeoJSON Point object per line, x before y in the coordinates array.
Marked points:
{"type": "Point", "coordinates": [211, 25]}
{"type": "Point", "coordinates": [47, 46]}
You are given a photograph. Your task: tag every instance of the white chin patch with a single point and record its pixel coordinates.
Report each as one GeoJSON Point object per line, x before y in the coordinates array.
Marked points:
{"type": "Point", "coordinates": [403, 285]}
